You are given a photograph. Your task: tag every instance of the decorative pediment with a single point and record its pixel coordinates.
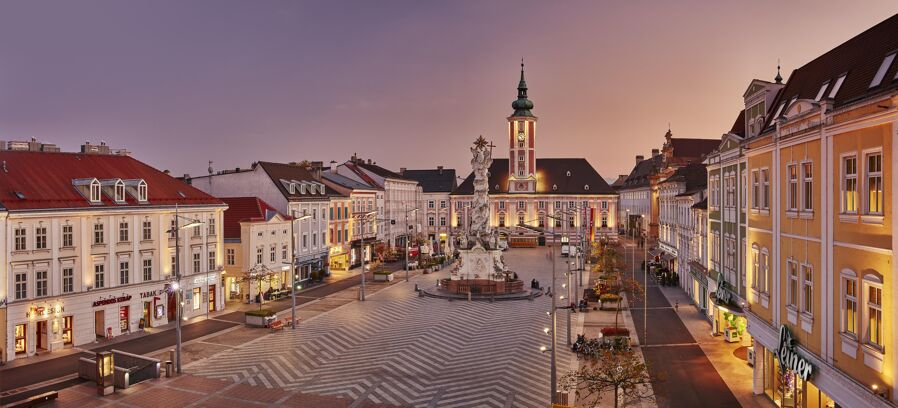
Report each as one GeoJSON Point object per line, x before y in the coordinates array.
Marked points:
{"type": "Point", "coordinates": [800, 107]}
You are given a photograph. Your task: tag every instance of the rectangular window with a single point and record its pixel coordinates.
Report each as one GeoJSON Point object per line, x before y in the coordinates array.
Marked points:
{"type": "Point", "coordinates": [21, 239]}
{"type": "Point", "coordinates": [442, 203]}
{"type": "Point", "coordinates": [849, 319]}
{"type": "Point", "coordinates": [765, 189]}
{"type": "Point", "coordinates": [744, 189]}
{"type": "Point", "coordinates": [40, 284]}
{"type": "Point", "coordinates": [522, 205]}
{"type": "Point", "coordinates": [99, 276]}
{"type": "Point", "coordinates": [173, 229]}
{"type": "Point", "coordinates": [68, 280]}
{"type": "Point", "coordinates": [40, 238]}
{"type": "Point", "coordinates": [430, 221]}
{"type": "Point", "coordinates": [755, 189]}
{"type": "Point", "coordinates": [874, 184]}
{"type": "Point", "coordinates": [123, 235]}
{"type": "Point", "coordinates": [98, 234]}
{"type": "Point", "coordinates": [147, 231]}
{"type": "Point", "coordinates": [430, 204]}
{"type": "Point", "coordinates": [147, 269]}
{"type": "Point", "coordinates": [211, 225]}
{"type": "Point", "coordinates": [197, 231]}
{"type": "Point", "coordinates": [442, 221]}
{"type": "Point", "coordinates": [231, 256]}
{"type": "Point", "coordinates": [765, 266]}
{"type": "Point", "coordinates": [305, 241]}
{"type": "Point", "coordinates": [792, 267]}
{"type": "Point", "coordinates": [881, 73]}
{"type": "Point", "coordinates": [21, 285]}
{"type": "Point", "coordinates": [874, 315]}
{"type": "Point", "coordinates": [756, 269]}
{"type": "Point", "coordinates": [792, 197]}
{"type": "Point", "coordinates": [807, 187]}
{"type": "Point", "coordinates": [284, 252]}
{"type": "Point", "coordinates": [67, 236]}
{"type": "Point", "coordinates": [849, 185]}
{"type": "Point", "coordinates": [501, 220]}
{"type": "Point", "coordinates": [211, 261]}
{"type": "Point", "coordinates": [272, 254]}
{"type": "Point", "coordinates": [124, 272]}
{"type": "Point", "coordinates": [196, 262]}
{"type": "Point", "coordinates": [259, 256]}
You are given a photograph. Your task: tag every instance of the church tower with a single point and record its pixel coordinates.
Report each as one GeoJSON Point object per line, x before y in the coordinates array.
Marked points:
{"type": "Point", "coordinates": [522, 143]}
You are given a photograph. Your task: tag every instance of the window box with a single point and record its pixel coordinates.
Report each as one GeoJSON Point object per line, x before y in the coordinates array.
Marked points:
{"type": "Point", "coordinates": [792, 314]}
{"type": "Point", "coordinates": [807, 322]}
{"type": "Point", "coordinates": [849, 344]}
{"type": "Point", "coordinates": [848, 218]}
{"type": "Point", "coordinates": [873, 357]}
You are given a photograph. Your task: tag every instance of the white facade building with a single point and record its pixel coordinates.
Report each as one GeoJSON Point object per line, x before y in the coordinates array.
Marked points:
{"type": "Point", "coordinates": [87, 251]}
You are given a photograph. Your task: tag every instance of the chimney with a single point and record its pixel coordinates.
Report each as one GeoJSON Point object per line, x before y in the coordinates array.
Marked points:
{"type": "Point", "coordinates": [639, 158]}
{"type": "Point", "coordinates": [656, 152]}
{"type": "Point", "coordinates": [440, 169]}
{"type": "Point", "coordinates": [369, 161]}
{"type": "Point", "coordinates": [333, 166]}
{"type": "Point", "coordinates": [402, 170]}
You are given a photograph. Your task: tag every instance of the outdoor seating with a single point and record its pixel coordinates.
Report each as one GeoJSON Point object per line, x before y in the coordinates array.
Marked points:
{"type": "Point", "coordinates": [276, 325]}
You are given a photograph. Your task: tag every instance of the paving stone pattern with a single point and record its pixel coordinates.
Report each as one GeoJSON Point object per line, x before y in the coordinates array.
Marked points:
{"type": "Point", "coordinates": [402, 350]}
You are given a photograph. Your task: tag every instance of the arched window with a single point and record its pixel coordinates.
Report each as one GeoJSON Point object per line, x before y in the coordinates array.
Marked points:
{"type": "Point", "coordinates": [95, 191]}
{"type": "Point", "coordinates": [142, 191]}
{"type": "Point", "coordinates": [119, 191]}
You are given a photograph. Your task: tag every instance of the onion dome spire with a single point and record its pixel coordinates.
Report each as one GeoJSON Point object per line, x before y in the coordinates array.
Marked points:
{"type": "Point", "coordinates": [522, 105]}
{"type": "Point", "coordinates": [778, 78]}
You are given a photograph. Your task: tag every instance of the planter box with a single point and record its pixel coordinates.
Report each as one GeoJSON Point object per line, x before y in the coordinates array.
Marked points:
{"type": "Point", "coordinates": [383, 277]}
{"type": "Point", "coordinates": [257, 319]}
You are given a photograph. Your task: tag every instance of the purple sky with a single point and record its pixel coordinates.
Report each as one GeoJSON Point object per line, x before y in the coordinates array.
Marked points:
{"type": "Point", "coordinates": [409, 84]}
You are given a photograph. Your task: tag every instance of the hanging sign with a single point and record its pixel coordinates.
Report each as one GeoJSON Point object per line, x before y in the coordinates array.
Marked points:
{"type": "Point", "coordinates": [723, 294]}
{"type": "Point", "coordinates": [789, 357]}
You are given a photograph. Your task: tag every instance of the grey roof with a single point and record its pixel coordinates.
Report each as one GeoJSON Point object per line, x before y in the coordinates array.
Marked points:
{"type": "Point", "coordinates": [347, 182]}
{"type": "Point", "coordinates": [433, 180]}
{"type": "Point", "coordinates": [639, 176]}
{"type": "Point", "coordinates": [552, 173]}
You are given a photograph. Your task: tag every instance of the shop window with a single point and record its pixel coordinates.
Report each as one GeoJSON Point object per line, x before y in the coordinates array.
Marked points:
{"type": "Point", "coordinates": [67, 326]}
{"type": "Point", "coordinates": [123, 318]}
{"type": "Point", "coordinates": [197, 298]}
{"type": "Point", "coordinates": [21, 339]}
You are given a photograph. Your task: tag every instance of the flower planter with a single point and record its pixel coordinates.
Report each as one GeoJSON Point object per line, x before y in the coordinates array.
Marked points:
{"type": "Point", "coordinates": [383, 277]}
{"type": "Point", "coordinates": [258, 318]}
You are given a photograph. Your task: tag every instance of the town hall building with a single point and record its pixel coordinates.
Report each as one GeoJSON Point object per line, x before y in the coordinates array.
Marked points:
{"type": "Point", "coordinates": [564, 196]}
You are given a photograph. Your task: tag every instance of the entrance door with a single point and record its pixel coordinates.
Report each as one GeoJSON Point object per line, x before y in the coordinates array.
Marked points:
{"type": "Point", "coordinates": [42, 339]}
{"type": "Point", "coordinates": [123, 318]}
{"type": "Point", "coordinates": [147, 314]}
{"type": "Point", "coordinates": [100, 324]}
{"type": "Point", "coordinates": [67, 323]}
{"type": "Point", "coordinates": [211, 298]}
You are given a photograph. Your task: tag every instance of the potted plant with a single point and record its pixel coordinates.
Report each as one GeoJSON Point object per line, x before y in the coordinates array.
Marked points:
{"type": "Point", "coordinates": [258, 318]}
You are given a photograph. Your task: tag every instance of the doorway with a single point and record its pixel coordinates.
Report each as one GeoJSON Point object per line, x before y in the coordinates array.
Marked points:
{"type": "Point", "coordinates": [171, 306]}
{"type": "Point", "coordinates": [211, 298]}
{"type": "Point", "coordinates": [124, 313]}
{"type": "Point", "coordinates": [147, 315]}
{"type": "Point", "coordinates": [42, 336]}
{"type": "Point", "coordinates": [100, 324]}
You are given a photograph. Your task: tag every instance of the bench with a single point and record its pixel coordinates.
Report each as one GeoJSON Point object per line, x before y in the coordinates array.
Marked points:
{"type": "Point", "coordinates": [276, 325]}
{"type": "Point", "coordinates": [291, 324]}
{"type": "Point", "coordinates": [35, 400]}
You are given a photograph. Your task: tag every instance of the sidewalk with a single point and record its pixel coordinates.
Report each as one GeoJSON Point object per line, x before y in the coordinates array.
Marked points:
{"type": "Point", "coordinates": [734, 371]}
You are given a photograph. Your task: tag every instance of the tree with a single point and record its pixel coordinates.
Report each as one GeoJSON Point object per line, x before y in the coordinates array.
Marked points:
{"type": "Point", "coordinates": [258, 275]}
{"type": "Point", "coordinates": [620, 371]}
{"type": "Point", "coordinates": [634, 291]}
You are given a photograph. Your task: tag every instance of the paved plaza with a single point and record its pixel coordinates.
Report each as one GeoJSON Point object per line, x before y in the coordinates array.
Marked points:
{"type": "Point", "coordinates": [400, 349]}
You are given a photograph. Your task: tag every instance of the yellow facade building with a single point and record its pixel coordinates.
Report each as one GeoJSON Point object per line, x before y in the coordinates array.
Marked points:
{"type": "Point", "coordinates": [820, 234]}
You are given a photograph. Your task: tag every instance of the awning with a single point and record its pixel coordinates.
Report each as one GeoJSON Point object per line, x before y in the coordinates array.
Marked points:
{"type": "Point", "coordinates": [726, 307]}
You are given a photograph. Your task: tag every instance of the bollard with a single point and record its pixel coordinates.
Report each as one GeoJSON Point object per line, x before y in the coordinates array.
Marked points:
{"type": "Point", "coordinates": [168, 369]}
{"type": "Point", "coordinates": [171, 355]}
{"type": "Point", "coordinates": [469, 296]}
{"type": "Point", "coordinates": [416, 288]}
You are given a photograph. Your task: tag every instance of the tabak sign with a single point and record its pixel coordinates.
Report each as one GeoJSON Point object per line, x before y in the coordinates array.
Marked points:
{"type": "Point", "coordinates": [111, 300]}
{"type": "Point", "coordinates": [789, 357]}
{"type": "Point", "coordinates": [723, 294]}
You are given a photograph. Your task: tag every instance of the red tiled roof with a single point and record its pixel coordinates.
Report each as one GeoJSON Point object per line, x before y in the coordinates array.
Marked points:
{"type": "Point", "coordinates": [245, 209]}
{"type": "Point", "coordinates": [45, 181]}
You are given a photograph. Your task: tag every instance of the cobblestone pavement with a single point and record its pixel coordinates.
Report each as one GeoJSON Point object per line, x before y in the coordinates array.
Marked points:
{"type": "Point", "coordinates": [400, 349]}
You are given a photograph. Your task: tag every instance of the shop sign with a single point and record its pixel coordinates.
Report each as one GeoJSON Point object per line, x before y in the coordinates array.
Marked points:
{"type": "Point", "coordinates": [201, 280]}
{"type": "Point", "coordinates": [109, 301]}
{"type": "Point", "coordinates": [152, 293]}
{"type": "Point", "coordinates": [723, 294]}
{"type": "Point", "coordinates": [789, 357]}
{"type": "Point", "coordinates": [35, 311]}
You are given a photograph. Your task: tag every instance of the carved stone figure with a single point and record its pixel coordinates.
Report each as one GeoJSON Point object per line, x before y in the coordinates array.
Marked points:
{"type": "Point", "coordinates": [480, 230]}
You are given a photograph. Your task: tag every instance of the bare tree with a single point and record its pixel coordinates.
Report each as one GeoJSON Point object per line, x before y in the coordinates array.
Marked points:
{"type": "Point", "coordinates": [619, 371]}
{"type": "Point", "coordinates": [259, 274]}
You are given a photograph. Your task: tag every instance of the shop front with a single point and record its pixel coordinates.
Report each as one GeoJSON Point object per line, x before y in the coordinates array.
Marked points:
{"type": "Point", "coordinates": [202, 294]}
{"type": "Point", "coordinates": [727, 314]}
{"type": "Point", "coordinates": [791, 377]}
{"type": "Point", "coordinates": [47, 325]}
{"type": "Point", "coordinates": [339, 258]}
{"type": "Point", "coordinates": [698, 275]}
{"type": "Point", "coordinates": [356, 252]}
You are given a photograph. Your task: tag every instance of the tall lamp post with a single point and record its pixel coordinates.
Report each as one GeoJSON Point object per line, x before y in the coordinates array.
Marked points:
{"type": "Point", "coordinates": [364, 219]}
{"type": "Point", "coordinates": [645, 289]}
{"type": "Point", "coordinates": [407, 229]}
{"type": "Point", "coordinates": [552, 314]}
{"type": "Point", "coordinates": [176, 230]}
{"type": "Point", "coordinates": [293, 267]}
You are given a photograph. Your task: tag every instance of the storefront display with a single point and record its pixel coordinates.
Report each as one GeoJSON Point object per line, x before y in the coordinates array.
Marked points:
{"type": "Point", "coordinates": [21, 339]}
{"type": "Point", "coordinates": [67, 326]}
{"type": "Point", "coordinates": [123, 313]}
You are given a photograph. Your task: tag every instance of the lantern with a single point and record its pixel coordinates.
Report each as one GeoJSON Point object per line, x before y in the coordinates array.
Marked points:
{"type": "Point", "coordinates": [105, 373]}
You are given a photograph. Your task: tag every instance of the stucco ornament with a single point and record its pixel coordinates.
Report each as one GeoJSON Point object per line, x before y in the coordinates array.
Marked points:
{"type": "Point", "coordinates": [480, 231]}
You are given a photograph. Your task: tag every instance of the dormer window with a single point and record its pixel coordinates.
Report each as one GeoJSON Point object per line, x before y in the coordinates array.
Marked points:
{"type": "Point", "coordinates": [554, 187]}
{"type": "Point", "coordinates": [142, 191]}
{"type": "Point", "coordinates": [95, 196]}
{"type": "Point", "coordinates": [586, 187]}
{"type": "Point", "coordinates": [821, 91]}
{"type": "Point", "coordinates": [302, 188]}
{"type": "Point", "coordinates": [881, 73]}
{"type": "Point", "coordinates": [119, 191]}
{"type": "Point", "coordinates": [291, 187]}
{"type": "Point", "coordinates": [835, 90]}
{"type": "Point", "coordinates": [568, 173]}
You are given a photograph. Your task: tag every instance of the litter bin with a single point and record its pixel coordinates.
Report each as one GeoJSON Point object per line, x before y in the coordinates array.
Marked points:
{"type": "Point", "coordinates": [168, 368]}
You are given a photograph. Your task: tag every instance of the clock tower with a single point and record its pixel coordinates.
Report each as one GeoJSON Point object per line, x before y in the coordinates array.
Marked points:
{"type": "Point", "coordinates": [522, 143]}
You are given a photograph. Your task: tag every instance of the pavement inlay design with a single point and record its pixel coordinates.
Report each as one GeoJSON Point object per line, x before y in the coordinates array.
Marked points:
{"type": "Point", "coordinates": [399, 349]}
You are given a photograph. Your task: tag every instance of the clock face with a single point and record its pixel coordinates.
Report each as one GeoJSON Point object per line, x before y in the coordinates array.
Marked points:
{"type": "Point", "coordinates": [522, 186]}
{"type": "Point", "coordinates": [521, 136]}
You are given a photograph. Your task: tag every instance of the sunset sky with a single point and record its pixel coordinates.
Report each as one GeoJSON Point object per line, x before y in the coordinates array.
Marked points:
{"type": "Point", "coordinates": [406, 83]}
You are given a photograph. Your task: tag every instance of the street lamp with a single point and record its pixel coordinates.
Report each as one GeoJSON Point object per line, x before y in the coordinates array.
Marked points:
{"type": "Point", "coordinates": [645, 288]}
{"type": "Point", "coordinates": [293, 267]}
{"type": "Point", "coordinates": [407, 212]}
{"type": "Point", "coordinates": [177, 285]}
{"type": "Point", "coordinates": [363, 218]}
{"type": "Point", "coordinates": [554, 316]}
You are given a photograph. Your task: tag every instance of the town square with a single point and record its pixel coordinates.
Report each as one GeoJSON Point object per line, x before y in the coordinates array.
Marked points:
{"type": "Point", "coordinates": [448, 204]}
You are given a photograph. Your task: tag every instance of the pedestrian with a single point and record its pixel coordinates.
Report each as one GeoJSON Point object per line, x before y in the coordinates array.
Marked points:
{"type": "Point", "coordinates": [677, 306]}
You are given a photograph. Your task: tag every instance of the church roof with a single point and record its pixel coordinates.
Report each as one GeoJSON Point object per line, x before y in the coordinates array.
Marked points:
{"type": "Point", "coordinates": [554, 176]}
